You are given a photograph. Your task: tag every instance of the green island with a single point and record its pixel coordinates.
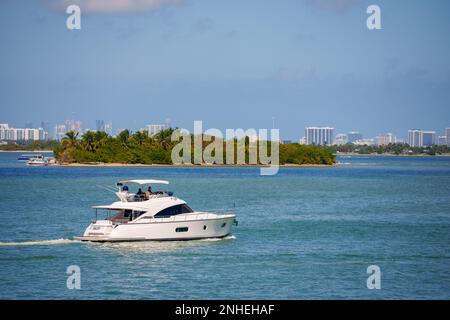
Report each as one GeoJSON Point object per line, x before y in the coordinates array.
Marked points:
{"type": "Point", "coordinates": [140, 148]}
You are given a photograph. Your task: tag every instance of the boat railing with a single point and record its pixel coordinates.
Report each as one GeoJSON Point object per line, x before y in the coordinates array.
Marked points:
{"type": "Point", "coordinates": [184, 217]}
{"type": "Point", "coordinates": [222, 211]}
{"type": "Point", "coordinates": [188, 217]}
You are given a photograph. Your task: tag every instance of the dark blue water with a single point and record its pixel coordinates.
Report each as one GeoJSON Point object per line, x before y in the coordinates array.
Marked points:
{"type": "Point", "coordinates": [306, 233]}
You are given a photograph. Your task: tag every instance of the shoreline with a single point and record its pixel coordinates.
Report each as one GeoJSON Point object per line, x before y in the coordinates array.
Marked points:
{"type": "Point", "coordinates": [118, 165]}
{"type": "Point", "coordinates": [390, 155]}
{"type": "Point", "coordinates": [28, 151]}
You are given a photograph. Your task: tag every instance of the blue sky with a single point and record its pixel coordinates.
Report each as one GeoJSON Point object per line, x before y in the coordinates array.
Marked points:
{"type": "Point", "coordinates": [229, 63]}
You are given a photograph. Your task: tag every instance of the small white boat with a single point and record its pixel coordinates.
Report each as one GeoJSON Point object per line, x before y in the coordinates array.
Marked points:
{"type": "Point", "coordinates": [143, 216]}
{"type": "Point", "coordinates": [26, 157]}
{"type": "Point", "coordinates": [38, 160]}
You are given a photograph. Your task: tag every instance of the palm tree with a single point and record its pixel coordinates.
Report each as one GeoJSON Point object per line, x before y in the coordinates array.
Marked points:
{"type": "Point", "coordinates": [88, 141]}
{"type": "Point", "coordinates": [70, 140]}
{"type": "Point", "coordinates": [164, 137]}
{"type": "Point", "coordinates": [140, 136]}
{"type": "Point", "coordinates": [100, 138]}
{"type": "Point", "coordinates": [123, 137]}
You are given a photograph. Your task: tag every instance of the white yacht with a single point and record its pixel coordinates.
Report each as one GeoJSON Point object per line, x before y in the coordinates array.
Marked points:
{"type": "Point", "coordinates": [37, 160]}
{"type": "Point", "coordinates": [150, 215]}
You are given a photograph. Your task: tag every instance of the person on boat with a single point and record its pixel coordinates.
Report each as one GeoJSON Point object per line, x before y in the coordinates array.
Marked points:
{"type": "Point", "coordinates": [125, 188]}
{"type": "Point", "coordinates": [139, 194]}
{"type": "Point", "coordinates": [149, 192]}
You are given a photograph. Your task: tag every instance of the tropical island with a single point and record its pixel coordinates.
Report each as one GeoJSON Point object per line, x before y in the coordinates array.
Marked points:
{"type": "Point", "coordinates": [97, 147]}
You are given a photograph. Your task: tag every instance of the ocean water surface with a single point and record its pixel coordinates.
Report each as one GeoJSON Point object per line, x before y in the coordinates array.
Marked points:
{"type": "Point", "coordinates": [306, 233]}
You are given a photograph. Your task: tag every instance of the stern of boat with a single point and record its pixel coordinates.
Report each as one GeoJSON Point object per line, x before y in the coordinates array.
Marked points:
{"type": "Point", "coordinates": [99, 230]}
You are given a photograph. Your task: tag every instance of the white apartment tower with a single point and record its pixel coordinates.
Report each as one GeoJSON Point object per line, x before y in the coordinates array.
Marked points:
{"type": "Point", "coordinates": [319, 135]}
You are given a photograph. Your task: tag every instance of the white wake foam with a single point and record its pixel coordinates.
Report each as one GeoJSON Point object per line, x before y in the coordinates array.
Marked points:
{"type": "Point", "coordinates": [38, 242]}
{"type": "Point", "coordinates": [230, 237]}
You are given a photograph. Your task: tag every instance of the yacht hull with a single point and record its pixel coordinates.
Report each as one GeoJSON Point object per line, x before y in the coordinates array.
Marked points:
{"type": "Point", "coordinates": [169, 230]}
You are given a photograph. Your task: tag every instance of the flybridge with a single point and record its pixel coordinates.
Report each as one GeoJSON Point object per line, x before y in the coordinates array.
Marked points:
{"type": "Point", "coordinates": [141, 195]}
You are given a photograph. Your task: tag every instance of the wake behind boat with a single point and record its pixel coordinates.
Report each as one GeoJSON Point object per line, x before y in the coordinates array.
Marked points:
{"type": "Point", "coordinates": [150, 215]}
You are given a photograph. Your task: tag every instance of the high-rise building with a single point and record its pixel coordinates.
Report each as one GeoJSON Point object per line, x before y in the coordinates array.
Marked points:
{"type": "Point", "coordinates": [43, 135]}
{"type": "Point", "coordinates": [353, 136]}
{"type": "Point", "coordinates": [105, 126]}
{"type": "Point", "coordinates": [319, 135]}
{"type": "Point", "coordinates": [60, 131]}
{"type": "Point", "coordinates": [341, 139]}
{"type": "Point", "coordinates": [386, 139]}
{"type": "Point", "coordinates": [73, 125]}
{"type": "Point", "coordinates": [447, 135]}
{"type": "Point", "coordinates": [4, 127]}
{"type": "Point", "coordinates": [20, 134]}
{"type": "Point", "coordinates": [5, 132]}
{"type": "Point", "coordinates": [421, 138]}
{"type": "Point", "coordinates": [45, 125]}
{"type": "Point", "coordinates": [441, 141]}
{"type": "Point", "coordinates": [415, 138]}
{"type": "Point", "coordinates": [428, 138]}
{"type": "Point", "coordinates": [155, 128]}
{"type": "Point", "coordinates": [99, 125]}
{"type": "Point", "coordinates": [109, 127]}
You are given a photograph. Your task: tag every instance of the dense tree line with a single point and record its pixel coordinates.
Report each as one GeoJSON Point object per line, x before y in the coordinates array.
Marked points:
{"type": "Point", "coordinates": [138, 147]}
{"type": "Point", "coordinates": [396, 149]}
{"type": "Point", "coordinates": [30, 145]}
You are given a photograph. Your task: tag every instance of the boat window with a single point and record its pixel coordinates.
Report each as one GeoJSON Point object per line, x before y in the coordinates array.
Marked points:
{"type": "Point", "coordinates": [182, 229]}
{"type": "Point", "coordinates": [174, 210]}
{"type": "Point", "coordinates": [127, 213]}
{"type": "Point", "coordinates": [138, 214]}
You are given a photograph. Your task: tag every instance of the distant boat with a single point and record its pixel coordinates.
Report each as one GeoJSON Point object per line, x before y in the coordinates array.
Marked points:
{"type": "Point", "coordinates": [38, 160]}
{"type": "Point", "coordinates": [26, 157]}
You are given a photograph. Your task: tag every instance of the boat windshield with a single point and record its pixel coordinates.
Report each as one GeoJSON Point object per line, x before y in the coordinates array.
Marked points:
{"type": "Point", "coordinates": [121, 216]}
{"type": "Point", "coordinates": [174, 210]}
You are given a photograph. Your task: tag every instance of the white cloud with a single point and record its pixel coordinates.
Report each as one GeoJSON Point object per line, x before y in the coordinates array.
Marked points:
{"type": "Point", "coordinates": [112, 6]}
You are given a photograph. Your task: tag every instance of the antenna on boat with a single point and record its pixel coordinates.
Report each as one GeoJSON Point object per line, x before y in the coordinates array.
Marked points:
{"type": "Point", "coordinates": [107, 188]}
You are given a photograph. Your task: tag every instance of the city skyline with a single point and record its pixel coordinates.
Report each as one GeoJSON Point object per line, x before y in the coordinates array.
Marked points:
{"type": "Point", "coordinates": [312, 134]}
